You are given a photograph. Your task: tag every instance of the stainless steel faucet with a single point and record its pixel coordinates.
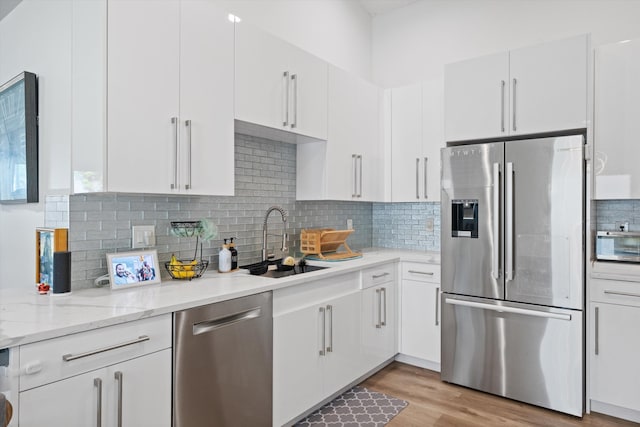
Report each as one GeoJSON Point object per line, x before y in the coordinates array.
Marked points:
{"type": "Point", "coordinates": [265, 255]}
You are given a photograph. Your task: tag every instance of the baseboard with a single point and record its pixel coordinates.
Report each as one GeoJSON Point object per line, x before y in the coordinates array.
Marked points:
{"type": "Point", "coordinates": [615, 411]}
{"type": "Point", "coordinates": [416, 361]}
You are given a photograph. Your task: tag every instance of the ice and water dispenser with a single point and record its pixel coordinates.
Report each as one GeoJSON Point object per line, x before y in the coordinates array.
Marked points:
{"type": "Point", "coordinates": [464, 218]}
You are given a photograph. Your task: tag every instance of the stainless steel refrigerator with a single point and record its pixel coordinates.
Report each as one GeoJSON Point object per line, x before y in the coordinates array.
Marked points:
{"type": "Point", "coordinates": [513, 270]}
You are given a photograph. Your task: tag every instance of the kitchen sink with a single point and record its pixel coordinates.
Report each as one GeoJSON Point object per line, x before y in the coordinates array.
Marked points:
{"type": "Point", "coordinates": [276, 274]}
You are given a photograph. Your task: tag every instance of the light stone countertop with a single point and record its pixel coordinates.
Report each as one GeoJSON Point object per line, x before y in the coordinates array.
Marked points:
{"type": "Point", "coordinates": [26, 316]}
{"type": "Point", "coordinates": [625, 271]}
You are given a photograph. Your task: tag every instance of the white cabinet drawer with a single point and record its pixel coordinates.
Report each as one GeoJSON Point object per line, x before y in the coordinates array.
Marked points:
{"type": "Point", "coordinates": [377, 275]}
{"type": "Point", "coordinates": [421, 272]}
{"type": "Point", "coordinates": [615, 292]}
{"type": "Point", "coordinates": [44, 362]}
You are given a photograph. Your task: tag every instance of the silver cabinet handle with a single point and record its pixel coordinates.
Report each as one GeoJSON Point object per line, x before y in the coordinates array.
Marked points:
{"type": "Point", "coordinates": [221, 322]}
{"type": "Point", "coordinates": [187, 124]}
{"type": "Point", "coordinates": [509, 262]}
{"type": "Point", "coordinates": [174, 122]}
{"type": "Point", "coordinates": [360, 187]}
{"type": "Point", "coordinates": [118, 377]}
{"type": "Point", "coordinates": [354, 164]}
{"type": "Point", "coordinates": [502, 84]}
{"type": "Point", "coordinates": [330, 311]}
{"type": "Point", "coordinates": [384, 307]}
{"type": "Point", "coordinates": [294, 80]}
{"type": "Point", "coordinates": [437, 306]}
{"type": "Point", "coordinates": [417, 178]}
{"type": "Point", "coordinates": [515, 82]}
{"type": "Point", "coordinates": [377, 276]}
{"type": "Point", "coordinates": [496, 221]}
{"type": "Point", "coordinates": [624, 294]}
{"type": "Point", "coordinates": [426, 159]}
{"type": "Point", "coordinates": [324, 332]}
{"type": "Point", "coordinates": [97, 382]}
{"type": "Point", "coordinates": [70, 357]}
{"type": "Point", "coordinates": [379, 298]}
{"type": "Point", "coordinates": [426, 273]}
{"type": "Point", "coordinates": [597, 332]}
{"type": "Point", "coordinates": [285, 90]}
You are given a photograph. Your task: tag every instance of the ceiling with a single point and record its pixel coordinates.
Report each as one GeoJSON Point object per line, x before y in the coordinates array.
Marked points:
{"type": "Point", "coordinates": [378, 7]}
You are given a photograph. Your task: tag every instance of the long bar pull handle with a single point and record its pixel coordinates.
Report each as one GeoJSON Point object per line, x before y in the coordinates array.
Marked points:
{"type": "Point", "coordinates": [509, 261]}
{"type": "Point", "coordinates": [174, 122]}
{"type": "Point", "coordinates": [187, 124]}
{"type": "Point", "coordinates": [377, 276]}
{"type": "Point", "coordinates": [97, 382]}
{"type": "Point", "coordinates": [505, 309]}
{"type": "Point", "coordinates": [624, 294]}
{"type": "Point", "coordinates": [360, 187]}
{"type": "Point", "coordinates": [515, 82]}
{"type": "Point", "coordinates": [502, 85]}
{"type": "Point", "coordinates": [294, 80]}
{"type": "Point", "coordinates": [324, 331]}
{"type": "Point", "coordinates": [285, 75]}
{"type": "Point", "coordinates": [384, 307]}
{"type": "Point", "coordinates": [70, 357]}
{"type": "Point", "coordinates": [417, 178]}
{"type": "Point", "coordinates": [330, 311]}
{"type": "Point", "coordinates": [118, 377]}
{"type": "Point", "coordinates": [221, 322]}
{"type": "Point", "coordinates": [597, 332]}
{"type": "Point", "coordinates": [496, 221]}
{"type": "Point", "coordinates": [437, 306]}
{"type": "Point", "coordinates": [354, 164]}
{"type": "Point", "coordinates": [426, 273]}
{"type": "Point", "coordinates": [426, 159]}
{"type": "Point", "coordinates": [379, 298]}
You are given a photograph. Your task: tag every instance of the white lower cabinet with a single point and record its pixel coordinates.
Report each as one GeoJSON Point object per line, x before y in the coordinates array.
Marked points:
{"type": "Point", "coordinates": [114, 376]}
{"type": "Point", "coordinates": [316, 343]}
{"type": "Point", "coordinates": [420, 315]}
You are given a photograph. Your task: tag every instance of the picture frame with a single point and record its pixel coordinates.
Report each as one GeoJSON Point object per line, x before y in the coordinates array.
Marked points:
{"type": "Point", "coordinates": [48, 241]}
{"type": "Point", "coordinates": [135, 268]}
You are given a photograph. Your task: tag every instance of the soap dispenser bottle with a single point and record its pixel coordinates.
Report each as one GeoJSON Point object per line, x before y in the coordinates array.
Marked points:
{"type": "Point", "coordinates": [224, 258]}
{"type": "Point", "coordinates": [234, 254]}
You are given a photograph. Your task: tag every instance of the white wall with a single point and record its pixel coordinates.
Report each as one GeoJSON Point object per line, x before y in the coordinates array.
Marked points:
{"type": "Point", "coordinates": [338, 31]}
{"type": "Point", "coordinates": [36, 37]}
{"type": "Point", "coordinates": [413, 43]}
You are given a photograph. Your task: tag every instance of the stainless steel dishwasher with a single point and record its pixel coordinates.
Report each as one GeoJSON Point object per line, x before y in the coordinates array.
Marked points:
{"type": "Point", "coordinates": [222, 364]}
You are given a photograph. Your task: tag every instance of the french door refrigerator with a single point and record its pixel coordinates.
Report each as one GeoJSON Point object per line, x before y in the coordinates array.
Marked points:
{"type": "Point", "coordinates": [513, 270]}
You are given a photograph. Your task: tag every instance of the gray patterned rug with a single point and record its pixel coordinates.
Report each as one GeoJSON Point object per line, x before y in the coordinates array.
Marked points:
{"type": "Point", "coordinates": [358, 407]}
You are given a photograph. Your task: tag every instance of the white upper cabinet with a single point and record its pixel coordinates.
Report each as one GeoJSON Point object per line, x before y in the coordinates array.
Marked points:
{"type": "Point", "coordinates": [348, 166]}
{"type": "Point", "coordinates": [416, 139]}
{"type": "Point", "coordinates": [278, 85]}
{"type": "Point", "coordinates": [535, 89]}
{"type": "Point", "coordinates": [170, 104]}
{"type": "Point", "coordinates": [616, 124]}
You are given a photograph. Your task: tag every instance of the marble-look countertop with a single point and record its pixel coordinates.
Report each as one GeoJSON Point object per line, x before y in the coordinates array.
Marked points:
{"type": "Point", "coordinates": [611, 270]}
{"type": "Point", "coordinates": [26, 316]}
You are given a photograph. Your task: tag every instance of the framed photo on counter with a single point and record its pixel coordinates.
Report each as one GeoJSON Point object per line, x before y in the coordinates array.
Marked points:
{"type": "Point", "coordinates": [128, 269]}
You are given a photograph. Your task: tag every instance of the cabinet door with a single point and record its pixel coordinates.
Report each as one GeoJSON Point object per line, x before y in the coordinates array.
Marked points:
{"type": "Point", "coordinates": [420, 320]}
{"type": "Point", "coordinates": [143, 95]}
{"type": "Point", "coordinates": [260, 84]}
{"type": "Point", "coordinates": [308, 93]}
{"type": "Point", "coordinates": [549, 86]}
{"type": "Point", "coordinates": [76, 401]}
{"type": "Point", "coordinates": [378, 325]}
{"type": "Point", "coordinates": [616, 109]}
{"type": "Point", "coordinates": [406, 144]}
{"type": "Point", "coordinates": [297, 363]}
{"type": "Point", "coordinates": [432, 138]}
{"type": "Point", "coordinates": [206, 100]}
{"type": "Point", "coordinates": [615, 373]}
{"type": "Point", "coordinates": [476, 98]}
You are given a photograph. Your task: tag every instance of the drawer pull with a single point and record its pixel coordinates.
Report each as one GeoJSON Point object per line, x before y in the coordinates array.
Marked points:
{"type": "Point", "coordinates": [624, 294]}
{"type": "Point", "coordinates": [377, 276]}
{"type": "Point", "coordinates": [70, 357]}
{"type": "Point", "coordinates": [426, 273]}
{"type": "Point", "coordinates": [97, 382]}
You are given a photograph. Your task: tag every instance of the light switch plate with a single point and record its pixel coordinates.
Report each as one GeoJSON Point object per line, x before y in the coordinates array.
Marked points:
{"type": "Point", "coordinates": [143, 236]}
{"type": "Point", "coordinates": [349, 224]}
{"type": "Point", "coordinates": [429, 224]}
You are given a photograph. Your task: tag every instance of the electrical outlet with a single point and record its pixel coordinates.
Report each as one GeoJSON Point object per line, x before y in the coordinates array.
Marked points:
{"type": "Point", "coordinates": [429, 224]}
{"type": "Point", "coordinates": [143, 236]}
{"type": "Point", "coordinates": [349, 224]}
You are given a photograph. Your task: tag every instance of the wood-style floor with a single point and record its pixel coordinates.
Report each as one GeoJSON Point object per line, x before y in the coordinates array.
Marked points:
{"type": "Point", "coordinates": [435, 403]}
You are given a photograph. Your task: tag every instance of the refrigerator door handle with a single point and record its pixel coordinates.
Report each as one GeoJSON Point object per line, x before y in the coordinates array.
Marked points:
{"type": "Point", "coordinates": [496, 221]}
{"type": "Point", "coordinates": [504, 309]}
{"type": "Point", "coordinates": [509, 261]}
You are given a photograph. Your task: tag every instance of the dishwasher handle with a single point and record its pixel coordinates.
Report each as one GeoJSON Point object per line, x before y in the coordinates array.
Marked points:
{"type": "Point", "coordinates": [222, 322]}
